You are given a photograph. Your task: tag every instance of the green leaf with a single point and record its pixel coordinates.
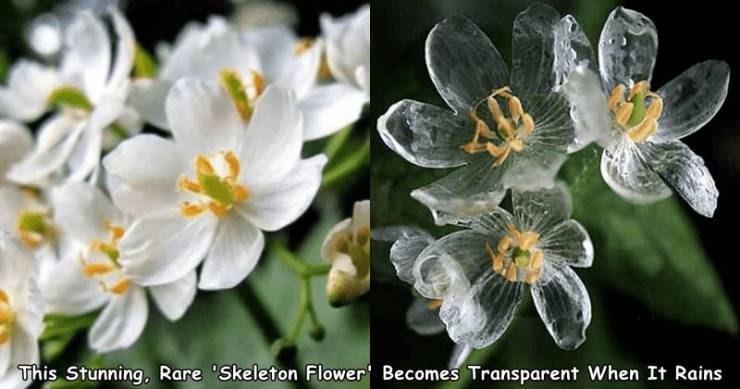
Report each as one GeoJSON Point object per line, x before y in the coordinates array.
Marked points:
{"type": "Point", "coordinates": [650, 252]}
{"type": "Point", "coordinates": [144, 64]}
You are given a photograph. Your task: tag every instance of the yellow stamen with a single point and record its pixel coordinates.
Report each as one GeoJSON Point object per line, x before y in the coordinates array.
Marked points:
{"type": "Point", "coordinates": [533, 276]}
{"type": "Point", "coordinates": [188, 209]}
{"type": "Point", "coordinates": [186, 185]}
{"type": "Point", "coordinates": [233, 161]}
{"type": "Point", "coordinates": [528, 239]}
{"type": "Point", "coordinates": [434, 304]}
{"type": "Point", "coordinates": [638, 116]}
{"type": "Point", "coordinates": [6, 317]}
{"type": "Point", "coordinates": [515, 108]}
{"type": "Point", "coordinates": [303, 45]}
{"type": "Point", "coordinates": [120, 287]}
{"type": "Point", "coordinates": [258, 83]}
{"type": "Point", "coordinates": [217, 209]}
{"type": "Point", "coordinates": [241, 193]}
{"type": "Point", "coordinates": [623, 113]}
{"type": "Point", "coordinates": [616, 97]}
{"type": "Point", "coordinates": [511, 272]}
{"type": "Point", "coordinates": [216, 185]}
{"type": "Point", "coordinates": [96, 269]}
{"type": "Point", "coordinates": [203, 165]}
{"type": "Point", "coordinates": [115, 231]}
{"type": "Point", "coordinates": [30, 239]}
{"type": "Point", "coordinates": [536, 260]}
{"type": "Point", "coordinates": [643, 130]}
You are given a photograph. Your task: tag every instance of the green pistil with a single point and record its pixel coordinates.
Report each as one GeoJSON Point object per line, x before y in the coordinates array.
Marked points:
{"type": "Point", "coordinates": [69, 96]}
{"type": "Point", "coordinates": [34, 222]}
{"type": "Point", "coordinates": [638, 109]}
{"type": "Point", "coordinates": [215, 188]}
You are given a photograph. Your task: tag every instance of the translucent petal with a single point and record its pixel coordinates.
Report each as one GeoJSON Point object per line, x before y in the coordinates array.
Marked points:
{"type": "Point", "coordinates": [553, 133]}
{"type": "Point", "coordinates": [572, 48]}
{"type": "Point", "coordinates": [463, 63]}
{"type": "Point", "coordinates": [484, 313]}
{"type": "Point", "coordinates": [693, 98]}
{"type": "Point", "coordinates": [494, 224]}
{"type": "Point", "coordinates": [422, 319]}
{"type": "Point", "coordinates": [685, 172]}
{"type": "Point", "coordinates": [533, 46]}
{"type": "Point", "coordinates": [589, 110]}
{"type": "Point", "coordinates": [540, 210]}
{"type": "Point", "coordinates": [425, 135]}
{"type": "Point", "coordinates": [563, 303]}
{"type": "Point", "coordinates": [623, 169]}
{"type": "Point", "coordinates": [534, 168]}
{"type": "Point", "coordinates": [408, 244]}
{"type": "Point", "coordinates": [568, 243]}
{"type": "Point", "coordinates": [460, 354]}
{"type": "Point", "coordinates": [627, 48]}
{"type": "Point", "coordinates": [469, 191]}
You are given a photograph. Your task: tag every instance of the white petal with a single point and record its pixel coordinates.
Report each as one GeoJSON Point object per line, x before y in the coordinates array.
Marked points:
{"type": "Point", "coordinates": [572, 48]}
{"type": "Point", "coordinates": [29, 86]}
{"type": "Point", "coordinates": [5, 364]}
{"type": "Point", "coordinates": [125, 49]}
{"type": "Point", "coordinates": [271, 145]}
{"type": "Point", "coordinates": [85, 158]}
{"type": "Point", "coordinates": [540, 210]}
{"type": "Point", "coordinates": [360, 216]}
{"type": "Point", "coordinates": [329, 108]}
{"type": "Point", "coordinates": [463, 63]}
{"type": "Point", "coordinates": [138, 185]}
{"type": "Point", "coordinates": [174, 298]}
{"type": "Point", "coordinates": [422, 319]}
{"type": "Point", "coordinates": [425, 135]}
{"type": "Point", "coordinates": [627, 48]}
{"type": "Point", "coordinates": [148, 98]}
{"type": "Point", "coordinates": [460, 354]}
{"type": "Point", "coordinates": [274, 47]}
{"type": "Point", "coordinates": [82, 211]}
{"type": "Point", "coordinates": [67, 291]}
{"type": "Point", "coordinates": [623, 169]}
{"type": "Point", "coordinates": [88, 54]}
{"type": "Point", "coordinates": [24, 350]}
{"type": "Point", "coordinates": [564, 305]}
{"type": "Point", "coordinates": [589, 111]}
{"type": "Point", "coordinates": [13, 201]}
{"type": "Point", "coordinates": [408, 243]}
{"type": "Point", "coordinates": [568, 243]}
{"type": "Point", "coordinates": [15, 142]}
{"type": "Point", "coordinates": [533, 50]}
{"type": "Point", "coordinates": [164, 247]}
{"type": "Point", "coordinates": [273, 207]}
{"type": "Point", "coordinates": [236, 249]}
{"type": "Point", "coordinates": [337, 234]}
{"type": "Point", "coordinates": [693, 98]}
{"type": "Point", "coordinates": [121, 322]}
{"type": "Point", "coordinates": [685, 172]}
{"type": "Point", "coordinates": [300, 72]}
{"type": "Point", "coordinates": [348, 44]}
{"type": "Point", "coordinates": [202, 117]}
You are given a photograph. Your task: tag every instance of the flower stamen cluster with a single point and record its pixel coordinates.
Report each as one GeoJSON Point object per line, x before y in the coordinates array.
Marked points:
{"type": "Point", "coordinates": [355, 245]}
{"type": "Point", "coordinates": [515, 257]}
{"type": "Point", "coordinates": [107, 271]}
{"type": "Point", "coordinates": [636, 116]}
{"type": "Point", "coordinates": [243, 95]}
{"type": "Point", "coordinates": [219, 191]}
{"type": "Point", "coordinates": [34, 227]}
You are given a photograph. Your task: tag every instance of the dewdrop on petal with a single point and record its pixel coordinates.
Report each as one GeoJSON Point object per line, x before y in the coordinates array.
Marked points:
{"type": "Point", "coordinates": [347, 248]}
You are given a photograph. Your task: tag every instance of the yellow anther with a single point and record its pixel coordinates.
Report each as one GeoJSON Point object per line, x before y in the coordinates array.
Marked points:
{"type": "Point", "coordinates": [120, 287]}
{"type": "Point", "coordinates": [96, 269]}
{"type": "Point", "coordinates": [640, 87]}
{"type": "Point", "coordinates": [4, 297]}
{"type": "Point", "coordinates": [517, 145]}
{"type": "Point", "coordinates": [504, 244]}
{"type": "Point", "coordinates": [30, 239]}
{"type": "Point", "coordinates": [233, 161]}
{"type": "Point", "coordinates": [303, 45]}
{"type": "Point", "coordinates": [258, 83]}
{"type": "Point", "coordinates": [6, 313]}
{"type": "Point", "coordinates": [533, 276]}
{"type": "Point", "coordinates": [186, 185]}
{"type": "Point", "coordinates": [495, 109]}
{"type": "Point", "coordinates": [528, 239]}
{"type": "Point", "coordinates": [188, 209]}
{"type": "Point", "coordinates": [217, 209]}
{"type": "Point", "coordinates": [643, 130]}
{"type": "Point", "coordinates": [362, 236]}
{"type": "Point", "coordinates": [515, 108]}
{"type": "Point", "coordinates": [616, 97]}
{"type": "Point", "coordinates": [528, 123]}
{"type": "Point", "coordinates": [203, 165]}
{"type": "Point", "coordinates": [655, 109]}
{"type": "Point", "coordinates": [638, 116]}
{"type": "Point", "coordinates": [116, 231]}
{"type": "Point", "coordinates": [433, 305]}
{"type": "Point", "coordinates": [241, 193]}
{"type": "Point", "coordinates": [511, 272]}
{"type": "Point", "coordinates": [536, 260]}
{"type": "Point", "coordinates": [4, 333]}
{"type": "Point", "coordinates": [623, 113]}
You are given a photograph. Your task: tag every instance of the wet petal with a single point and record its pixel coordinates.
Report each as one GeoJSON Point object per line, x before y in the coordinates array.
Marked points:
{"type": "Point", "coordinates": [540, 210]}
{"type": "Point", "coordinates": [494, 223]}
{"type": "Point", "coordinates": [627, 48]}
{"type": "Point", "coordinates": [460, 354]}
{"type": "Point", "coordinates": [329, 108]}
{"type": "Point", "coordinates": [563, 304]}
{"type": "Point", "coordinates": [572, 48]}
{"type": "Point", "coordinates": [623, 169]}
{"type": "Point", "coordinates": [121, 322]}
{"type": "Point", "coordinates": [589, 110]}
{"type": "Point", "coordinates": [693, 98]}
{"type": "Point", "coordinates": [532, 48]}
{"type": "Point", "coordinates": [568, 243]}
{"type": "Point", "coordinates": [685, 172]}
{"type": "Point", "coordinates": [408, 244]}
{"type": "Point", "coordinates": [174, 298]}
{"type": "Point", "coordinates": [425, 135]}
{"type": "Point", "coordinates": [463, 63]}
{"type": "Point", "coordinates": [236, 249]}
{"type": "Point", "coordinates": [422, 319]}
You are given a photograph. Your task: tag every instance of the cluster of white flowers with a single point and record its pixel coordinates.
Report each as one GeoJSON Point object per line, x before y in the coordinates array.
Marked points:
{"type": "Point", "coordinates": [93, 215]}
{"type": "Point", "coordinates": [513, 131]}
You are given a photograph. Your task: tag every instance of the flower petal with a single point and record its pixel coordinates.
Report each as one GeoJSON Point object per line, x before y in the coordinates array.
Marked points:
{"type": "Point", "coordinates": [29, 86]}
{"type": "Point", "coordinates": [408, 243]}
{"type": "Point", "coordinates": [148, 98]}
{"type": "Point", "coordinates": [693, 98]}
{"type": "Point", "coordinates": [589, 110]}
{"type": "Point", "coordinates": [125, 49]}
{"type": "Point", "coordinates": [422, 319]}
{"type": "Point", "coordinates": [425, 135]}
{"type": "Point", "coordinates": [83, 211]}
{"type": "Point", "coordinates": [685, 172]}
{"type": "Point", "coordinates": [236, 249]}
{"type": "Point", "coordinates": [627, 48]}
{"type": "Point", "coordinates": [568, 243]}
{"type": "Point", "coordinates": [202, 117]}
{"type": "Point", "coordinates": [174, 298]}
{"type": "Point", "coordinates": [563, 304]}
{"type": "Point", "coordinates": [494, 223]}
{"type": "Point", "coordinates": [15, 141]}
{"type": "Point", "coordinates": [138, 186]}
{"type": "Point", "coordinates": [533, 50]}
{"type": "Point", "coordinates": [87, 56]}
{"type": "Point", "coordinates": [468, 191]}
{"type": "Point", "coordinates": [274, 206]}
{"type": "Point", "coordinates": [338, 233]}
{"type": "Point", "coordinates": [540, 210]}
{"type": "Point", "coordinates": [623, 169]}
{"type": "Point", "coordinates": [23, 350]}
{"type": "Point", "coordinates": [572, 48]}
{"type": "Point", "coordinates": [463, 63]}
{"type": "Point", "coordinates": [164, 247]}
{"type": "Point", "coordinates": [67, 291]}
{"type": "Point", "coordinates": [329, 108]}
{"type": "Point", "coordinates": [460, 354]}
{"type": "Point", "coordinates": [85, 158]}
{"type": "Point", "coordinates": [121, 322]}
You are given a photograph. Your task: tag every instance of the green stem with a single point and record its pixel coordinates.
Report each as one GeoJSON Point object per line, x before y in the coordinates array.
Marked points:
{"type": "Point", "coordinates": [305, 301]}
{"type": "Point", "coordinates": [119, 131]}
{"type": "Point", "coordinates": [346, 167]}
{"type": "Point", "coordinates": [336, 142]}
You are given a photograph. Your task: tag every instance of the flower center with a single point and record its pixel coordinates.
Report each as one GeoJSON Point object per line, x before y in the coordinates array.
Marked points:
{"type": "Point", "coordinates": [434, 305]}
{"type": "Point", "coordinates": [511, 130]}
{"type": "Point", "coordinates": [217, 189]}
{"type": "Point", "coordinates": [102, 265]}
{"type": "Point", "coordinates": [516, 257]}
{"type": "Point", "coordinates": [6, 318]}
{"type": "Point", "coordinates": [356, 246]}
{"type": "Point", "coordinates": [242, 95]}
{"type": "Point", "coordinates": [637, 115]}
{"type": "Point", "coordinates": [33, 227]}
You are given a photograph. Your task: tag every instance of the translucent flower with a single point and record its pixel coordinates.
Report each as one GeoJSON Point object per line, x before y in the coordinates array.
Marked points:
{"type": "Point", "coordinates": [89, 275]}
{"type": "Point", "coordinates": [89, 88]}
{"type": "Point", "coordinates": [348, 47]}
{"type": "Point", "coordinates": [479, 274]}
{"type": "Point", "coordinates": [212, 190]}
{"type": "Point", "coordinates": [506, 131]}
{"type": "Point", "coordinates": [21, 312]}
{"type": "Point", "coordinates": [640, 129]}
{"type": "Point", "coordinates": [347, 248]}
{"type": "Point", "coordinates": [262, 57]}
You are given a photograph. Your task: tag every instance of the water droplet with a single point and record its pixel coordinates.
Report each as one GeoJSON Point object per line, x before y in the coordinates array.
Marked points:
{"type": "Point", "coordinates": [624, 41]}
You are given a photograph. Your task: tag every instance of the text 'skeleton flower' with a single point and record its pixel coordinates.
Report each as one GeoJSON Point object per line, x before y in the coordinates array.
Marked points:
{"type": "Point", "coordinates": [347, 248]}
{"type": "Point", "coordinates": [348, 47]}
{"type": "Point", "coordinates": [266, 56]}
{"type": "Point", "coordinates": [423, 314]}
{"type": "Point", "coordinates": [507, 131]}
{"type": "Point", "coordinates": [211, 191]}
{"type": "Point", "coordinates": [15, 141]}
{"type": "Point", "coordinates": [639, 128]}
{"type": "Point", "coordinates": [480, 273]}
{"type": "Point", "coordinates": [89, 89]}
{"type": "Point", "coordinates": [21, 312]}
{"type": "Point", "coordinates": [89, 275]}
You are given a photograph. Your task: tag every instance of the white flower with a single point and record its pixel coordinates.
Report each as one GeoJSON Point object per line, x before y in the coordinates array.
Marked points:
{"type": "Point", "coordinates": [91, 89]}
{"type": "Point", "coordinates": [480, 273]}
{"type": "Point", "coordinates": [263, 57]}
{"type": "Point", "coordinates": [348, 47]}
{"type": "Point", "coordinates": [347, 248]}
{"type": "Point", "coordinates": [211, 191]}
{"type": "Point", "coordinates": [640, 129]}
{"type": "Point", "coordinates": [89, 275]}
{"type": "Point", "coordinates": [21, 313]}
{"type": "Point", "coordinates": [23, 213]}
{"type": "Point", "coordinates": [15, 141]}
{"type": "Point", "coordinates": [507, 131]}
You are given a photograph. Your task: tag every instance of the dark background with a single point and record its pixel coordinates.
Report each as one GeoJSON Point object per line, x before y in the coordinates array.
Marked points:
{"type": "Point", "coordinates": [639, 337]}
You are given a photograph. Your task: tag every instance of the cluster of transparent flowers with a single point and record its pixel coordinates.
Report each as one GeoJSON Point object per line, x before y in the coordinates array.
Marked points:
{"type": "Point", "coordinates": [513, 131]}
{"type": "Point", "coordinates": [94, 215]}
